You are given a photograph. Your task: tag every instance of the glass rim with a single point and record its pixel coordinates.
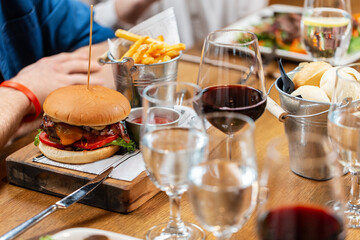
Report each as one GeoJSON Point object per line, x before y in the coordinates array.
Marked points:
{"type": "Point", "coordinates": [253, 39]}
{"type": "Point", "coordinates": [196, 97]}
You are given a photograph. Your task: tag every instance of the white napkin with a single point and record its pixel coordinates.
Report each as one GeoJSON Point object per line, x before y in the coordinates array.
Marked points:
{"type": "Point", "coordinates": [132, 164]}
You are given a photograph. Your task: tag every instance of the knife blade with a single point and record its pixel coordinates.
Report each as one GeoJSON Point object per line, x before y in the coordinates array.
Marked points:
{"type": "Point", "coordinates": [63, 203]}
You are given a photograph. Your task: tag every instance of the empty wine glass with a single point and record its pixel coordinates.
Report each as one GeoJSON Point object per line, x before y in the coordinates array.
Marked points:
{"type": "Point", "coordinates": [344, 131]}
{"type": "Point", "coordinates": [170, 149]}
{"type": "Point", "coordinates": [232, 77]}
{"type": "Point", "coordinates": [292, 207]}
{"type": "Point", "coordinates": [223, 191]}
{"type": "Point", "coordinates": [326, 29]}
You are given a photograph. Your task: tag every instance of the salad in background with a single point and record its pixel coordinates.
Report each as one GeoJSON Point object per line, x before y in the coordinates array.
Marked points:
{"type": "Point", "coordinates": [282, 31]}
{"type": "Point", "coordinates": [355, 38]}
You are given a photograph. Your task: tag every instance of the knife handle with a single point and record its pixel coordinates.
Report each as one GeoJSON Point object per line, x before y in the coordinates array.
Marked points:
{"type": "Point", "coordinates": [25, 225]}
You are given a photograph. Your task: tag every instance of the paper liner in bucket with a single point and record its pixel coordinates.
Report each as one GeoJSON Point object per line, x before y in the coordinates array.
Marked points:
{"type": "Point", "coordinates": [130, 79]}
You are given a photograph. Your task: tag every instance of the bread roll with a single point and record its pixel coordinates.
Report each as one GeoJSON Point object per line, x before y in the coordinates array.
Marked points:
{"type": "Point", "coordinates": [310, 74]}
{"type": "Point", "coordinates": [349, 87]}
{"type": "Point", "coordinates": [311, 93]}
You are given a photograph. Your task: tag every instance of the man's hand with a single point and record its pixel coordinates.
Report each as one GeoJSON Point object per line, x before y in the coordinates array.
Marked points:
{"type": "Point", "coordinates": [50, 73]}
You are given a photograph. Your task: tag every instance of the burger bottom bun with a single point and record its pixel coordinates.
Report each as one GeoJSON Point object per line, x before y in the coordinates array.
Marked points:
{"type": "Point", "coordinates": [77, 157]}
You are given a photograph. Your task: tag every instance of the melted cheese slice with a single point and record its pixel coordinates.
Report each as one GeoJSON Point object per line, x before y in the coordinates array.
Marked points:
{"type": "Point", "coordinates": [68, 134]}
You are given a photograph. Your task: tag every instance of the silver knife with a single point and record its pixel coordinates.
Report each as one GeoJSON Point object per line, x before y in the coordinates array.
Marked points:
{"type": "Point", "coordinates": [63, 203]}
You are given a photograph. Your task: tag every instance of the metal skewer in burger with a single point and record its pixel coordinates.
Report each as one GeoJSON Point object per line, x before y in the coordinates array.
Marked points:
{"type": "Point", "coordinates": [82, 123]}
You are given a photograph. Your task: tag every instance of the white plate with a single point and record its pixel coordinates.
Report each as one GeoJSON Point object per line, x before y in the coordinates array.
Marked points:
{"type": "Point", "coordinates": [82, 233]}
{"type": "Point", "coordinates": [256, 17]}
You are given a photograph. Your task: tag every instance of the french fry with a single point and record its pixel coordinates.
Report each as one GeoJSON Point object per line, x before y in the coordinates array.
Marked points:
{"type": "Point", "coordinates": [166, 58]}
{"type": "Point", "coordinates": [156, 50]}
{"type": "Point", "coordinates": [134, 47]}
{"type": "Point", "coordinates": [176, 47]}
{"type": "Point", "coordinates": [160, 38]}
{"type": "Point", "coordinates": [134, 37]}
{"type": "Point", "coordinates": [148, 60]}
{"type": "Point", "coordinates": [147, 50]}
{"type": "Point", "coordinates": [162, 58]}
{"type": "Point", "coordinates": [172, 53]}
{"type": "Point", "coordinates": [138, 56]}
{"type": "Point", "coordinates": [120, 33]}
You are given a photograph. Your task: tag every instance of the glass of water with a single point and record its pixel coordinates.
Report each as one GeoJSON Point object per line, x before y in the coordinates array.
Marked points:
{"type": "Point", "coordinates": [173, 138]}
{"type": "Point", "coordinates": [326, 29]}
{"type": "Point", "coordinates": [223, 190]}
{"type": "Point", "coordinates": [344, 131]}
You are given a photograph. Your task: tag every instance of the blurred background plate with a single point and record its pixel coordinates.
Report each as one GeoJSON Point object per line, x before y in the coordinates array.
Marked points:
{"type": "Point", "coordinates": [270, 25]}
{"type": "Point", "coordinates": [82, 233]}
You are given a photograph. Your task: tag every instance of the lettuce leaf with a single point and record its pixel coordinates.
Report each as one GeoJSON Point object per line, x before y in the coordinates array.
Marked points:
{"type": "Point", "coordinates": [131, 146]}
{"type": "Point", "coordinates": [36, 139]}
{"type": "Point", "coordinates": [47, 237]}
{"type": "Point", "coordinates": [354, 45]}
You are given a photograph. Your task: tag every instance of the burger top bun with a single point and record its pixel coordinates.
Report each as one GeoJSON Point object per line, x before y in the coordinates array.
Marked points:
{"type": "Point", "coordinates": [311, 74]}
{"type": "Point", "coordinates": [77, 157]}
{"type": "Point", "coordinates": [78, 105]}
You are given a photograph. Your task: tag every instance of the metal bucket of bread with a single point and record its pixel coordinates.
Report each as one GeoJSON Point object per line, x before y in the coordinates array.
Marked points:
{"type": "Point", "coordinates": [304, 113]}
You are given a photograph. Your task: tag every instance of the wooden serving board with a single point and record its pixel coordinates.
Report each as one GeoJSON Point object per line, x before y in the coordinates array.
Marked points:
{"type": "Point", "coordinates": [112, 194]}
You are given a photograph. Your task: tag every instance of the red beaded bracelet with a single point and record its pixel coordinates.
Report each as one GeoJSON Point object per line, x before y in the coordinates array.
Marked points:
{"type": "Point", "coordinates": [29, 94]}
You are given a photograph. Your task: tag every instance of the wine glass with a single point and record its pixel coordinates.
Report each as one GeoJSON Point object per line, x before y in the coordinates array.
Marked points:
{"type": "Point", "coordinates": [170, 149]}
{"type": "Point", "coordinates": [292, 207]}
{"type": "Point", "coordinates": [326, 29]}
{"type": "Point", "coordinates": [223, 191]}
{"type": "Point", "coordinates": [232, 77]}
{"type": "Point", "coordinates": [344, 129]}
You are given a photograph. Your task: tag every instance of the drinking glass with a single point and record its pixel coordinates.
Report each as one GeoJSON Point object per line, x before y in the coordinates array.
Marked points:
{"type": "Point", "coordinates": [232, 77]}
{"type": "Point", "coordinates": [292, 207]}
{"type": "Point", "coordinates": [326, 29]}
{"type": "Point", "coordinates": [344, 129]}
{"type": "Point", "coordinates": [223, 191]}
{"type": "Point", "coordinates": [170, 149]}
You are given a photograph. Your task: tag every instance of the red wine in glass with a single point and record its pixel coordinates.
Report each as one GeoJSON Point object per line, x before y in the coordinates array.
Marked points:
{"type": "Point", "coordinates": [300, 223]}
{"type": "Point", "coordinates": [233, 98]}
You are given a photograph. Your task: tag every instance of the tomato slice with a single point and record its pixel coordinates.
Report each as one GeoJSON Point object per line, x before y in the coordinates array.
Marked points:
{"type": "Point", "coordinates": [44, 138]}
{"type": "Point", "coordinates": [99, 142]}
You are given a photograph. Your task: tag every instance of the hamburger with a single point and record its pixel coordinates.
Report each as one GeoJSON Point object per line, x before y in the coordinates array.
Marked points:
{"type": "Point", "coordinates": [82, 125]}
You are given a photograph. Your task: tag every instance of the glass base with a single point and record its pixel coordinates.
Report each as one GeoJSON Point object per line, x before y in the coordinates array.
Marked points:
{"type": "Point", "coordinates": [192, 232]}
{"type": "Point", "coordinates": [352, 215]}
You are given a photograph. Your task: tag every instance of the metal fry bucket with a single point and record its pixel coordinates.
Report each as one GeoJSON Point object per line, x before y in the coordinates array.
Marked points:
{"type": "Point", "coordinates": [131, 79]}
{"type": "Point", "coordinates": [302, 120]}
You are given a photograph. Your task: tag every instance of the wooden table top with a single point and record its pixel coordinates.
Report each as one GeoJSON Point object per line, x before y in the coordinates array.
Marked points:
{"type": "Point", "coordinates": [18, 204]}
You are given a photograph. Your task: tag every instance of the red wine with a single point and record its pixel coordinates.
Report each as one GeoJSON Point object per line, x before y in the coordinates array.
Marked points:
{"type": "Point", "coordinates": [233, 98]}
{"type": "Point", "coordinates": [300, 223]}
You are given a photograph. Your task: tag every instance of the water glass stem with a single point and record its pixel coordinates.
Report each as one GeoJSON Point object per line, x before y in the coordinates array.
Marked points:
{"type": "Point", "coordinates": [175, 224]}
{"type": "Point", "coordinates": [354, 200]}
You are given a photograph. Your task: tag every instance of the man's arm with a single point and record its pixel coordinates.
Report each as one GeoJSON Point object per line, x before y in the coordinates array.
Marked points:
{"type": "Point", "coordinates": [41, 78]}
{"type": "Point", "coordinates": [14, 106]}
